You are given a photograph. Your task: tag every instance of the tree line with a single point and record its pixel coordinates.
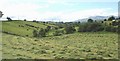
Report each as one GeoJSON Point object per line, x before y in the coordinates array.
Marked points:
{"type": "Point", "coordinates": [70, 27]}
{"type": "Point", "coordinates": [89, 26]}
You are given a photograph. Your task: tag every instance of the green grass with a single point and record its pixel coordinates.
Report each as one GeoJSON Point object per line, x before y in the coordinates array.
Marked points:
{"type": "Point", "coordinates": [13, 27]}
{"type": "Point", "coordinates": [83, 45]}
{"type": "Point", "coordinates": [70, 46]}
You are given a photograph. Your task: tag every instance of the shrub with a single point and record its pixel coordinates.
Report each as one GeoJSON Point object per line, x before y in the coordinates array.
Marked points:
{"type": "Point", "coordinates": [69, 29]}
{"type": "Point", "coordinates": [42, 33]}
{"type": "Point", "coordinates": [114, 23]}
{"type": "Point", "coordinates": [58, 32]}
{"type": "Point", "coordinates": [48, 28]}
{"type": "Point", "coordinates": [91, 27]}
{"type": "Point", "coordinates": [111, 29]}
{"type": "Point", "coordinates": [35, 33]}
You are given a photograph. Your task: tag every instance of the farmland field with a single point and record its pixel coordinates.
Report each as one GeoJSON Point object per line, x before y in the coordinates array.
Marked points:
{"type": "Point", "coordinates": [59, 30]}
{"type": "Point", "coordinates": [86, 45]}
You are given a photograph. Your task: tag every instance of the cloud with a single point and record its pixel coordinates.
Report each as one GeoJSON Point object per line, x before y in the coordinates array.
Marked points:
{"type": "Point", "coordinates": [30, 9]}
{"type": "Point", "coordinates": [75, 15]}
{"type": "Point", "coordinates": [64, 1]}
{"type": "Point", "coordinates": [20, 10]}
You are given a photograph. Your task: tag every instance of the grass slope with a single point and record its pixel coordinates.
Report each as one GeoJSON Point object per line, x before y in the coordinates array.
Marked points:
{"type": "Point", "coordinates": [72, 46]}
{"type": "Point", "coordinates": [20, 27]}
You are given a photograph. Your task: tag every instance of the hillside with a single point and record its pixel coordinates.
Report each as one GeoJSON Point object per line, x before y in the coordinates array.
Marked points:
{"type": "Point", "coordinates": [22, 28]}
{"type": "Point", "coordinates": [76, 45]}
{"type": "Point", "coordinates": [72, 46]}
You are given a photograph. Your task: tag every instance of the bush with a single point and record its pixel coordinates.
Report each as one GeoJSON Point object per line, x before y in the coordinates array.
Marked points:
{"type": "Point", "coordinates": [82, 28]}
{"type": "Point", "coordinates": [114, 23]}
{"type": "Point", "coordinates": [42, 33]}
{"type": "Point", "coordinates": [91, 27]}
{"type": "Point", "coordinates": [35, 33]}
{"type": "Point", "coordinates": [69, 29]}
{"type": "Point", "coordinates": [48, 28]}
{"type": "Point", "coordinates": [58, 32]}
{"type": "Point", "coordinates": [111, 29]}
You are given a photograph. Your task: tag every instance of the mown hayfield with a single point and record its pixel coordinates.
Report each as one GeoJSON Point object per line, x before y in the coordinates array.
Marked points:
{"type": "Point", "coordinates": [70, 46]}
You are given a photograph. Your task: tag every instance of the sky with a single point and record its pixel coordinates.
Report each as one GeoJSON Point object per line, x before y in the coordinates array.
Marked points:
{"type": "Point", "coordinates": [57, 10]}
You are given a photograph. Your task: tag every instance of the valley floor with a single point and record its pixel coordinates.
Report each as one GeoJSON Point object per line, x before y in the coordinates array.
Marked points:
{"type": "Point", "coordinates": [70, 46]}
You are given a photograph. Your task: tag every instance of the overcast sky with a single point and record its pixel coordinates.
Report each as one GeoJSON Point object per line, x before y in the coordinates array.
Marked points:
{"type": "Point", "coordinates": [57, 10]}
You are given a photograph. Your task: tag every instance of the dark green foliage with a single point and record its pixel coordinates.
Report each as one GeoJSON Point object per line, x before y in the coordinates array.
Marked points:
{"type": "Point", "coordinates": [76, 23]}
{"type": "Point", "coordinates": [114, 23]}
{"type": "Point", "coordinates": [58, 32]}
{"type": "Point", "coordinates": [69, 29]}
{"type": "Point", "coordinates": [110, 24]}
{"type": "Point", "coordinates": [90, 20]}
{"type": "Point", "coordinates": [25, 20]}
{"type": "Point", "coordinates": [56, 28]}
{"type": "Point", "coordinates": [90, 27]}
{"type": "Point", "coordinates": [108, 28]}
{"type": "Point", "coordinates": [48, 28]}
{"type": "Point", "coordinates": [34, 20]}
{"type": "Point", "coordinates": [42, 33]}
{"type": "Point", "coordinates": [111, 18]}
{"type": "Point", "coordinates": [105, 19]}
{"type": "Point", "coordinates": [111, 29]}
{"type": "Point", "coordinates": [102, 21]}
{"type": "Point", "coordinates": [35, 33]}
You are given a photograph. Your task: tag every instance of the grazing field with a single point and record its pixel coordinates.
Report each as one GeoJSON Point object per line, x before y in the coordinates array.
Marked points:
{"type": "Point", "coordinates": [22, 28]}
{"type": "Point", "coordinates": [69, 46]}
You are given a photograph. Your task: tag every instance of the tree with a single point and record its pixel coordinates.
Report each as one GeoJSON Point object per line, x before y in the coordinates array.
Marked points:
{"type": "Point", "coordinates": [105, 19]}
{"type": "Point", "coordinates": [42, 33]}
{"type": "Point", "coordinates": [111, 18]}
{"type": "Point", "coordinates": [25, 20]}
{"type": "Point", "coordinates": [102, 21]}
{"type": "Point", "coordinates": [69, 29]}
{"type": "Point", "coordinates": [35, 33]}
{"type": "Point", "coordinates": [34, 20]}
{"type": "Point", "coordinates": [90, 20]}
{"type": "Point", "coordinates": [9, 19]}
{"type": "Point", "coordinates": [1, 14]}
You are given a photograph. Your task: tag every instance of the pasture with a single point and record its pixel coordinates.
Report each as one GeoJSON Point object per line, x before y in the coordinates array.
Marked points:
{"type": "Point", "coordinates": [91, 45]}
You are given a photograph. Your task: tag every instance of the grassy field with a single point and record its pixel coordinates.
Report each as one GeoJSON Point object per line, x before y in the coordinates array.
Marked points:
{"type": "Point", "coordinates": [71, 46]}
{"type": "Point", "coordinates": [82, 45]}
{"type": "Point", "coordinates": [21, 27]}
